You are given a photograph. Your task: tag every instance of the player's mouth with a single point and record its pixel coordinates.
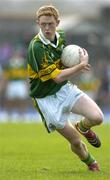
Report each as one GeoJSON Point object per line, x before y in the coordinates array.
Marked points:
{"type": "Point", "coordinates": [47, 33]}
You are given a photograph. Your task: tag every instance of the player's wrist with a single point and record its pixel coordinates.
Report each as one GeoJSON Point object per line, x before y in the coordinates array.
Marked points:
{"type": "Point", "coordinates": [83, 64]}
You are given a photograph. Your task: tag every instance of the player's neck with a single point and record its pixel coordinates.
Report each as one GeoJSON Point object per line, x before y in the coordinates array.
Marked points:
{"type": "Point", "coordinates": [55, 40]}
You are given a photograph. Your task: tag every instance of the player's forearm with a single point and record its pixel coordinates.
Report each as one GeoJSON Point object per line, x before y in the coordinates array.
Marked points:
{"type": "Point", "coordinates": [69, 72]}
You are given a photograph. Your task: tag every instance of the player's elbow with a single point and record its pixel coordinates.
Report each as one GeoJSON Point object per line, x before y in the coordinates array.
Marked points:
{"type": "Point", "coordinates": [58, 79]}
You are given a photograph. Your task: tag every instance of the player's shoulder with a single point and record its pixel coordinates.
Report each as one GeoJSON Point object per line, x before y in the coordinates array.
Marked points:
{"type": "Point", "coordinates": [35, 43]}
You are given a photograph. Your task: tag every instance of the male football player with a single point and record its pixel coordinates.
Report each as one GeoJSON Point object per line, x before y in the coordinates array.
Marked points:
{"type": "Point", "coordinates": [54, 96]}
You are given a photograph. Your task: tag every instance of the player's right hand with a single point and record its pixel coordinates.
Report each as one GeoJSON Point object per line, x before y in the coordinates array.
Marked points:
{"type": "Point", "coordinates": [84, 57]}
{"type": "Point", "coordinates": [86, 68]}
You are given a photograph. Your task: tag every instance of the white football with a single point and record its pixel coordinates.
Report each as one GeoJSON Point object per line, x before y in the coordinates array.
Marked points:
{"type": "Point", "coordinates": [70, 55]}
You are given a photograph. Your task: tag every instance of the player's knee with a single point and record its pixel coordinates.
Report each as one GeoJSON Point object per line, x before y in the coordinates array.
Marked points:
{"type": "Point", "coordinates": [98, 118]}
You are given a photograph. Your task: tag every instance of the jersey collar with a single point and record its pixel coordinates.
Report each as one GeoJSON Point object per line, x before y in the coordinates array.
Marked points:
{"type": "Point", "coordinates": [46, 41]}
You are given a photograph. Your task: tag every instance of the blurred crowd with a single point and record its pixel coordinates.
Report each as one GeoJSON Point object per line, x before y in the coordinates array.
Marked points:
{"type": "Point", "coordinates": [14, 99]}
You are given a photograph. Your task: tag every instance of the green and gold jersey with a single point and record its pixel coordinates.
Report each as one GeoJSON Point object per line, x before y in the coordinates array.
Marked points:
{"type": "Point", "coordinates": [44, 64]}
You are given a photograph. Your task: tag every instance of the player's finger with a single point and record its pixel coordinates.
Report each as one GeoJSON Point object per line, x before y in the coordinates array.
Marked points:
{"type": "Point", "coordinates": [85, 51]}
{"type": "Point", "coordinates": [88, 65]}
{"type": "Point", "coordinates": [87, 68]}
{"type": "Point", "coordinates": [80, 52]}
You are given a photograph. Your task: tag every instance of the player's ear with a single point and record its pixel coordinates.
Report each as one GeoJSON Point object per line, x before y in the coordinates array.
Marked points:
{"type": "Point", "coordinates": [37, 21]}
{"type": "Point", "coordinates": [58, 22]}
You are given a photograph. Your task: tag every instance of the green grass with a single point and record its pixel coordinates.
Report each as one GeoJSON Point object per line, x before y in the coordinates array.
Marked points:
{"type": "Point", "coordinates": [28, 152]}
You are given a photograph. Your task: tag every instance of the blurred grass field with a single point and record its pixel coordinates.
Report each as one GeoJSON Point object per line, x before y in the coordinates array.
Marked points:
{"type": "Point", "coordinates": [28, 152]}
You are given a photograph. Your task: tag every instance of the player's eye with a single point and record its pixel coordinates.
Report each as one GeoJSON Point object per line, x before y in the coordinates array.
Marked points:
{"type": "Point", "coordinates": [47, 24]}
{"type": "Point", "coordinates": [50, 24]}
{"type": "Point", "coordinates": [43, 24]}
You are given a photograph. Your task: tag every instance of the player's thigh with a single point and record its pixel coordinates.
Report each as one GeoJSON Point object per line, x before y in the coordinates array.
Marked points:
{"type": "Point", "coordinates": [87, 107]}
{"type": "Point", "coordinates": [70, 133]}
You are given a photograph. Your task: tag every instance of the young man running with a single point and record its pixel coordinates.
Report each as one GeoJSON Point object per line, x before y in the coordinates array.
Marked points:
{"type": "Point", "coordinates": [54, 96]}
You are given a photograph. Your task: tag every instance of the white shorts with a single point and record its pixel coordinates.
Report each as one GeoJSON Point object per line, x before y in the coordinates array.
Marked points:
{"type": "Point", "coordinates": [56, 108]}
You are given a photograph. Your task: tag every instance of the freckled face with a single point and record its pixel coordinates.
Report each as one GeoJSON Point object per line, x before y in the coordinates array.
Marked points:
{"type": "Point", "coordinates": [48, 26]}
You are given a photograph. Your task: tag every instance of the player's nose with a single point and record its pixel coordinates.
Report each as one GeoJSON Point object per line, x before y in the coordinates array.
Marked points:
{"type": "Point", "coordinates": [47, 26]}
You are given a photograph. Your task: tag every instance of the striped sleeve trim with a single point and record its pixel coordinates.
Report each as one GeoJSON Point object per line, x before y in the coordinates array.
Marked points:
{"type": "Point", "coordinates": [31, 73]}
{"type": "Point", "coordinates": [44, 75]}
{"type": "Point", "coordinates": [51, 75]}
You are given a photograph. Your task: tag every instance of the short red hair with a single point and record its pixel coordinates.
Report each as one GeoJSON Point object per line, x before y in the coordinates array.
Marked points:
{"type": "Point", "coordinates": [47, 11]}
